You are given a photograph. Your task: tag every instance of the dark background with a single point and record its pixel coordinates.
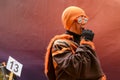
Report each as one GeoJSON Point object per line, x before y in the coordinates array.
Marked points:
{"type": "Point", "coordinates": [26, 27]}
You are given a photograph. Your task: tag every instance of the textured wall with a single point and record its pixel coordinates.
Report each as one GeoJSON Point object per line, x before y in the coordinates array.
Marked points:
{"type": "Point", "coordinates": [26, 26]}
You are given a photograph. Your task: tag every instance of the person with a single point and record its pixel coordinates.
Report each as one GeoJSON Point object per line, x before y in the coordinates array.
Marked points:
{"type": "Point", "coordinates": [72, 56]}
{"type": "Point", "coordinates": [6, 74]}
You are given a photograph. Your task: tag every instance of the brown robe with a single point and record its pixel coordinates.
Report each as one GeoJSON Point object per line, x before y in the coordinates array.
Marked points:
{"type": "Point", "coordinates": [67, 60]}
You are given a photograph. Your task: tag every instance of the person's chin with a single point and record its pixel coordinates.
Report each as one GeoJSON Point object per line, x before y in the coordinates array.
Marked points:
{"type": "Point", "coordinates": [82, 27]}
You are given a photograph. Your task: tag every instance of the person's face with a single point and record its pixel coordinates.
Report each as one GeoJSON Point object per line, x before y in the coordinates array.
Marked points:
{"type": "Point", "coordinates": [80, 22]}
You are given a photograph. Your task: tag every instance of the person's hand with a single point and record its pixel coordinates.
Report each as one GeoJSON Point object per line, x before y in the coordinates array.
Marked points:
{"type": "Point", "coordinates": [87, 34]}
{"type": "Point", "coordinates": [90, 43]}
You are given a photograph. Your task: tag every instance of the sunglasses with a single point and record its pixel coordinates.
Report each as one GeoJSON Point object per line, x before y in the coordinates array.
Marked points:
{"type": "Point", "coordinates": [82, 19]}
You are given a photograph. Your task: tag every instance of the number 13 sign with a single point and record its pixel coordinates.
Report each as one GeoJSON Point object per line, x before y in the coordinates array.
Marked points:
{"type": "Point", "coordinates": [14, 66]}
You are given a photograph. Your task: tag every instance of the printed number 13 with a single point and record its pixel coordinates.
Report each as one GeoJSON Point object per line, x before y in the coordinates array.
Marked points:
{"type": "Point", "coordinates": [15, 66]}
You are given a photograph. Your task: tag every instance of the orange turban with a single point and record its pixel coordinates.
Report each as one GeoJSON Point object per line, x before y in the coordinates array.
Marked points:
{"type": "Point", "coordinates": [70, 14]}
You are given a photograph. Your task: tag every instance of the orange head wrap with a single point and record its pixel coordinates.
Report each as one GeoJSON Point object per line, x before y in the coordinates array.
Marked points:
{"type": "Point", "coordinates": [70, 14]}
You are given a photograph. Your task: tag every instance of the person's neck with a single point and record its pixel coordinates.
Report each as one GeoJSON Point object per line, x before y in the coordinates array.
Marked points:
{"type": "Point", "coordinates": [76, 37]}
{"type": "Point", "coordinates": [74, 28]}
{"type": "Point", "coordinates": [72, 33]}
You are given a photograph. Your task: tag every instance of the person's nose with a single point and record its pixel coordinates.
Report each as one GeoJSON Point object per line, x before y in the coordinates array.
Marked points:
{"type": "Point", "coordinates": [84, 20]}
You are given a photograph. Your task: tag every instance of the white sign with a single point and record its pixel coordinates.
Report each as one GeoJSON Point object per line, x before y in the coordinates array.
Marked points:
{"type": "Point", "coordinates": [14, 66]}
